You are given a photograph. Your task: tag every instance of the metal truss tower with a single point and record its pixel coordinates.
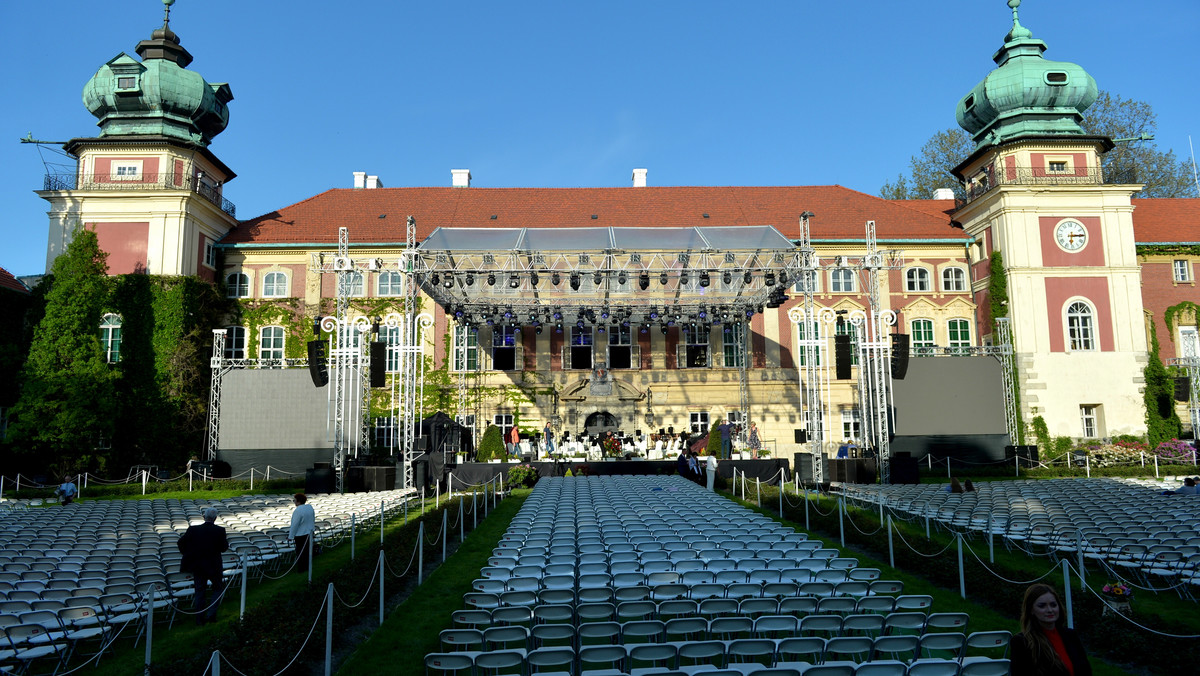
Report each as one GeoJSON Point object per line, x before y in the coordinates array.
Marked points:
{"type": "Point", "coordinates": [1007, 363]}
{"type": "Point", "coordinates": [875, 357]}
{"type": "Point", "coordinates": [814, 376]}
{"type": "Point", "coordinates": [219, 369]}
{"type": "Point", "coordinates": [1190, 362]}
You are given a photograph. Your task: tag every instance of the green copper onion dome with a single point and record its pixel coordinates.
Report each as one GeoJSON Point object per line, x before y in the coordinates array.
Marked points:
{"type": "Point", "coordinates": [157, 95]}
{"type": "Point", "coordinates": [1027, 96]}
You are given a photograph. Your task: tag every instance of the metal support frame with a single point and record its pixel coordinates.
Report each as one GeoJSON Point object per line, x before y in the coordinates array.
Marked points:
{"type": "Point", "coordinates": [814, 377]}
{"type": "Point", "coordinates": [1190, 362]}
{"type": "Point", "coordinates": [219, 369]}
{"type": "Point", "coordinates": [875, 358]}
{"type": "Point", "coordinates": [1007, 362]}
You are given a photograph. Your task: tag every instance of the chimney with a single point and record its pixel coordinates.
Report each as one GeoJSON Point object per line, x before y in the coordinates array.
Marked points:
{"type": "Point", "coordinates": [360, 180]}
{"type": "Point", "coordinates": [460, 178]}
{"type": "Point", "coordinates": [639, 178]}
{"type": "Point", "coordinates": [373, 182]}
{"type": "Point", "coordinates": [943, 194]}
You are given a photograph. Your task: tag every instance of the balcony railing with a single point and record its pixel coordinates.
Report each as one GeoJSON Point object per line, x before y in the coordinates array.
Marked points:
{"type": "Point", "coordinates": [167, 181]}
{"type": "Point", "coordinates": [959, 351]}
{"type": "Point", "coordinates": [991, 176]}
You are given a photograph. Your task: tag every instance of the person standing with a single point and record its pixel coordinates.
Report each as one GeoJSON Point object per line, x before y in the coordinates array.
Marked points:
{"type": "Point", "coordinates": [202, 546]}
{"type": "Point", "coordinates": [1045, 646]}
{"type": "Point", "coordinates": [726, 430]}
{"type": "Point", "coordinates": [752, 441]}
{"type": "Point", "coordinates": [548, 435]}
{"type": "Point", "coordinates": [514, 442]}
{"type": "Point", "coordinates": [66, 491]}
{"type": "Point", "coordinates": [304, 522]}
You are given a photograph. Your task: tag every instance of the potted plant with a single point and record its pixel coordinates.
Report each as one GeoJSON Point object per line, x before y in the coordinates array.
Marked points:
{"type": "Point", "coordinates": [1118, 597]}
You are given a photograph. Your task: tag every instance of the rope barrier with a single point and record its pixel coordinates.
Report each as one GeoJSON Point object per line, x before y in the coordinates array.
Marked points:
{"type": "Point", "coordinates": [918, 553]}
{"type": "Point", "coordinates": [1053, 569]}
{"type": "Point", "coordinates": [1123, 616]}
{"type": "Point", "coordinates": [370, 585]}
{"type": "Point", "coordinates": [831, 512]}
{"type": "Point", "coordinates": [298, 652]}
{"type": "Point", "coordinates": [406, 568]}
{"type": "Point", "coordinates": [861, 530]}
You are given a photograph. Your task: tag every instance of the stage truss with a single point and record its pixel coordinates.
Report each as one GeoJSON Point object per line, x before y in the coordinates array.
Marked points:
{"type": "Point", "coordinates": [1190, 364]}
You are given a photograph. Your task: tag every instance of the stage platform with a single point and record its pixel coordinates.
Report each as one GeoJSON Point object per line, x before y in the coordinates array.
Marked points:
{"type": "Point", "coordinates": [474, 473]}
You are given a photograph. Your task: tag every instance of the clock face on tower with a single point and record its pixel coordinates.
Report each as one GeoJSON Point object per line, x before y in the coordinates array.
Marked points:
{"type": "Point", "coordinates": [1071, 235]}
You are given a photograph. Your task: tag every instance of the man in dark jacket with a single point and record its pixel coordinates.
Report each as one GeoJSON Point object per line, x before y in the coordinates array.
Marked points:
{"type": "Point", "coordinates": [202, 546]}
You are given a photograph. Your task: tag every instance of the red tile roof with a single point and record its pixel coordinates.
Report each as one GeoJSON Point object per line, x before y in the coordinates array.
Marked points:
{"type": "Point", "coordinates": [1166, 220]}
{"type": "Point", "coordinates": [7, 281]}
{"type": "Point", "coordinates": [378, 215]}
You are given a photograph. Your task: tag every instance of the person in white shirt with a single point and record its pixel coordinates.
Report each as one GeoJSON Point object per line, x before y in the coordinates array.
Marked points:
{"type": "Point", "coordinates": [304, 522]}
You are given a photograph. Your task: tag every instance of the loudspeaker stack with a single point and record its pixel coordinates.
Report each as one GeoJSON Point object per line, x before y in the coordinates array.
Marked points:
{"type": "Point", "coordinates": [378, 363]}
{"type": "Point", "coordinates": [899, 355]}
{"type": "Point", "coordinates": [841, 354]}
{"type": "Point", "coordinates": [316, 363]}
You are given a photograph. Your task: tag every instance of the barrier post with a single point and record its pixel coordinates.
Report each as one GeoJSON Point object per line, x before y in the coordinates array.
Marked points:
{"type": "Point", "coordinates": [1067, 592]}
{"type": "Point", "coordinates": [781, 499]}
{"type": "Point", "coordinates": [929, 457]}
{"type": "Point", "coordinates": [251, 478]}
{"type": "Point", "coordinates": [474, 511]}
{"type": "Point", "coordinates": [381, 597]}
{"type": "Point", "coordinates": [214, 663]}
{"type": "Point", "coordinates": [1016, 465]}
{"type": "Point", "coordinates": [1069, 460]}
{"type": "Point", "coordinates": [190, 482]}
{"type": "Point", "coordinates": [18, 482]}
{"type": "Point", "coordinates": [82, 483]}
{"type": "Point", "coordinates": [891, 549]}
{"type": "Point", "coordinates": [381, 523]}
{"type": "Point", "coordinates": [329, 630]}
{"type": "Point", "coordinates": [1, 486]}
{"type": "Point", "coordinates": [991, 541]}
{"type": "Point", "coordinates": [420, 552]}
{"type": "Point", "coordinates": [444, 529]}
{"type": "Point", "coordinates": [311, 543]}
{"type": "Point", "coordinates": [150, 627]}
{"type": "Point", "coordinates": [926, 525]}
{"type": "Point", "coordinates": [758, 491]}
{"type": "Point", "coordinates": [353, 532]}
{"type": "Point", "coordinates": [806, 509]}
{"type": "Point", "coordinates": [1087, 462]}
{"type": "Point", "coordinates": [268, 473]}
{"type": "Point", "coordinates": [1079, 557]}
{"type": "Point", "coordinates": [1143, 455]}
{"type": "Point", "coordinates": [437, 494]}
{"type": "Point", "coordinates": [881, 509]}
{"type": "Point", "coordinates": [841, 505]}
{"type": "Point", "coordinates": [145, 480]}
{"type": "Point", "coordinates": [1156, 466]}
{"type": "Point", "coordinates": [962, 573]}
{"type": "Point", "coordinates": [242, 602]}
{"type": "Point", "coordinates": [406, 509]}
{"type": "Point", "coordinates": [462, 517]}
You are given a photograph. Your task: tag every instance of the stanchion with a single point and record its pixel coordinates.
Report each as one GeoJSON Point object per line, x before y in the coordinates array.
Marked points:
{"type": "Point", "coordinates": [1067, 593]}
{"type": "Point", "coordinates": [353, 533]}
{"type": "Point", "coordinates": [841, 519]}
{"type": "Point", "coordinates": [474, 511]}
{"type": "Point", "coordinates": [1080, 558]}
{"type": "Point", "coordinates": [311, 543]}
{"type": "Point", "coordinates": [444, 528]}
{"type": "Point", "coordinates": [242, 604]}
{"type": "Point", "coordinates": [420, 552]}
{"type": "Point", "coordinates": [891, 549]}
{"type": "Point", "coordinates": [462, 518]}
{"type": "Point", "coordinates": [948, 467]}
{"type": "Point", "coordinates": [214, 663]}
{"type": "Point", "coordinates": [758, 492]}
{"type": "Point", "coordinates": [406, 510]}
{"type": "Point", "coordinates": [18, 482]}
{"type": "Point", "coordinates": [381, 597]}
{"type": "Point", "coordinates": [781, 485]}
{"type": "Point", "coordinates": [926, 526]}
{"type": "Point", "coordinates": [880, 508]}
{"type": "Point", "coordinates": [437, 494]}
{"type": "Point", "coordinates": [189, 481]}
{"type": "Point", "coordinates": [1, 486]}
{"type": "Point", "coordinates": [145, 480]}
{"type": "Point", "coordinates": [268, 473]}
{"type": "Point", "coordinates": [1016, 465]}
{"type": "Point", "coordinates": [150, 627]}
{"type": "Point", "coordinates": [251, 478]}
{"type": "Point", "coordinates": [1088, 464]}
{"type": "Point", "coordinates": [806, 510]}
{"type": "Point", "coordinates": [991, 544]}
{"type": "Point", "coordinates": [1143, 456]}
{"type": "Point", "coordinates": [1155, 467]}
{"type": "Point", "coordinates": [329, 630]}
{"type": "Point", "coordinates": [962, 573]}
{"type": "Point", "coordinates": [381, 523]}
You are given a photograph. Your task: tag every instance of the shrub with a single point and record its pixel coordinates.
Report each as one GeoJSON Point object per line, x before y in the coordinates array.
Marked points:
{"type": "Point", "coordinates": [1174, 450]}
{"type": "Point", "coordinates": [491, 445]}
{"type": "Point", "coordinates": [522, 475]}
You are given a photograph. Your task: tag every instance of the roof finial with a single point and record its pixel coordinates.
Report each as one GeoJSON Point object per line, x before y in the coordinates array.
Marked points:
{"type": "Point", "coordinates": [168, 3]}
{"type": "Point", "coordinates": [1018, 31]}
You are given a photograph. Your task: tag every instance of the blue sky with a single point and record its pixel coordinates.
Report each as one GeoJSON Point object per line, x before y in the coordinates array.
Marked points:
{"type": "Point", "coordinates": [565, 94]}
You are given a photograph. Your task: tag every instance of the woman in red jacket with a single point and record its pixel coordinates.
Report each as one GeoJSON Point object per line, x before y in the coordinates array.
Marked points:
{"type": "Point", "coordinates": [1045, 646]}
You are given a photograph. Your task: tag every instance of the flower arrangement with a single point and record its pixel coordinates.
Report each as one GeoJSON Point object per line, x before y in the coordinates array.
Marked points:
{"type": "Point", "coordinates": [522, 475]}
{"type": "Point", "coordinates": [1174, 451]}
{"type": "Point", "coordinates": [611, 446]}
{"type": "Point", "coordinates": [1117, 591]}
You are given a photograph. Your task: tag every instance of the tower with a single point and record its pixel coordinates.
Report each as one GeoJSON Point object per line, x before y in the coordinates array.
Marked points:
{"type": "Point", "coordinates": [148, 183]}
{"type": "Point", "coordinates": [1037, 194]}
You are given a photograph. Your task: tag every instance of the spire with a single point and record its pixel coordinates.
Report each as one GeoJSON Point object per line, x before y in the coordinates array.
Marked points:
{"type": "Point", "coordinates": [167, 13]}
{"type": "Point", "coordinates": [1018, 31]}
{"type": "Point", "coordinates": [164, 43]}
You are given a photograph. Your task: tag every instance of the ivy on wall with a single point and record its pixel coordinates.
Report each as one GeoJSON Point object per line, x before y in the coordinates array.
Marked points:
{"type": "Point", "coordinates": [1168, 249]}
{"type": "Point", "coordinates": [998, 307]}
{"type": "Point", "coordinates": [1162, 423]}
{"type": "Point", "coordinates": [1183, 310]}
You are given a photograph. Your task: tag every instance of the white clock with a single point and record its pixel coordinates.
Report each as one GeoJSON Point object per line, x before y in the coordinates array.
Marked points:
{"type": "Point", "coordinates": [1071, 235]}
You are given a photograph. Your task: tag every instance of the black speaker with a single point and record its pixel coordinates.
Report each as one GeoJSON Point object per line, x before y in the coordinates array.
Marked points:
{"type": "Point", "coordinates": [422, 444]}
{"type": "Point", "coordinates": [1183, 389]}
{"type": "Point", "coordinates": [316, 363]}
{"type": "Point", "coordinates": [378, 363]}
{"type": "Point", "coordinates": [420, 473]}
{"type": "Point", "coordinates": [801, 436]}
{"type": "Point", "coordinates": [804, 467]}
{"type": "Point", "coordinates": [319, 480]}
{"type": "Point", "coordinates": [1028, 452]}
{"type": "Point", "coordinates": [904, 469]}
{"type": "Point", "coordinates": [841, 354]}
{"type": "Point", "coordinates": [899, 355]}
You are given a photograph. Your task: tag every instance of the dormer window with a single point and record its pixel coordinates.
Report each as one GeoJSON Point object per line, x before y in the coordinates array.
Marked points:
{"type": "Point", "coordinates": [127, 83]}
{"type": "Point", "coordinates": [1058, 166]}
{"type": "Point", "coordinates": [126, 170]}
{"type": "Point", "coordinates": [1057, 78]}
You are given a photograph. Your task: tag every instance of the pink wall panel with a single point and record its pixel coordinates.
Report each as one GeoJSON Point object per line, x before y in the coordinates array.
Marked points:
{"type": "Point", "coordinates": [1095, 291]}
{"type": "Point", "coordinates": [125, 244]}
{"type": "Point", "coordinates": [1053, 257]}
{"type": "Point", "coordinates": [102, 169]}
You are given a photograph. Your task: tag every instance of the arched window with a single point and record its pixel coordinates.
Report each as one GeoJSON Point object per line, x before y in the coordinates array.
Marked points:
{"type": "Point", "coordinates": [110, 338]}
{"type": "Point", "coordinates": [916, 280]}
{"type": "Point", "coordinates": [391, 284]}
{"type": "Point", "coordinates": [235, 342]}
{"type": "Point", "coordinates": [270, 343]}
{"type": "Point", "coordinates": [922, 337]}
{"type": "Point", "coordinates": [960, 335]}
{"type": "Point", "coordinates": [237, 285]}
{"type": "Point", "coordinates": [355, 280]}
{"type": "Point", "coordinates": [841, 280]}
{"type": "Point", "coordinates": [275, 285]}
{"type": "Point", "coordinates": [1081, 331]}
{"type": "Point", "coordinates": [954, 279]}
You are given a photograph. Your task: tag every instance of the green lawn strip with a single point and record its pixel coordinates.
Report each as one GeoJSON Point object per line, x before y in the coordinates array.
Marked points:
{"type": "Point", "coordinates": [1015, 566]}
{"type": "Point", "coordinates": [412, 630]}
{"type": "Point", "coordinates": [185, 640]}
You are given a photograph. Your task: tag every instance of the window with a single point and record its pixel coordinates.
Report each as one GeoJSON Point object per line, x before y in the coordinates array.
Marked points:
{"type": "Point", "coordinates": [391, 284]}
{"type": "Point", "coordinates": [126, 170]}
{"type": "Point", "coordinates": [391, 336]}
{"type": "Point", "coordinates": [504, 347]}
{"type": "Point", "coordinates": [270, 343]}
{"type": "Point", "coordinates": [581, 347]}
{"type": "Point", "coordinates": [1189, 342]}
{"type": "Point", "coordinates": [210, 254]}
{"type": "Point", "coordinates": [799, 286]}
{"type": "Point", "coordinates": [235, 342]}
{"type": "Point", "coordinates": [733, 344]}
{"type": "Point", "coordinates": [505, 422]}
{"type": "Point", "coordinates": [916, 280]}
{"type": "Point", "coordinates": [110, 338]}
{"type": "Point", "coordinates": [127, 83]}
{"type": "Point", "coordinates": [1058, 166]}
{"type": "Point", "coordinates": [1183, 272]}
{"type": "Point", "coordinates": [466, 349]}
{"type": "Point", "coordinates": [809, 332]}
{"type": "Point", "coordinates": [842, 328]}
{"type": "Point", "coordinates": [841, 280]}
{"type": "Point", "coordinates": [620, 347]}
{"type": "Point", "coordinates": [960, 335]}
{"type": "Point", "coordinates": [1089, 418]}
{"type": "Point", "coordinates": [699, 422]}
{"type": "Point", "coordinates": [275, 285]}
{"type": "Point", "coordinates": [922, 337]}
{"type": "Point", "coordinates": [851, 423]}
{"type": "Point", "coordinates": [354, 282]}
{"type": "Point", "coordinates": [1080, 330]}
{"type": "Point", "coordinates": [237, 285]}
{"type": "Point", "coordinates": [954, 279]}
{"type": "Point", "coordinates": [695, 338]}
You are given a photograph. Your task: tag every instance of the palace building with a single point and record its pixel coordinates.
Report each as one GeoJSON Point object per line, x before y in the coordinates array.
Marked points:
{"type": "Point", "coordinates": [645, 308]}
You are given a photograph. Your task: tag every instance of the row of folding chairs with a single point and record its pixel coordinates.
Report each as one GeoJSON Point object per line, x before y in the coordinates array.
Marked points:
{"type": "Point", "coordinates": [557, 575]}
{"type": "Point", "coordinates": [942, 653]}
{"type": "Point", "coordinates": [651, 562]}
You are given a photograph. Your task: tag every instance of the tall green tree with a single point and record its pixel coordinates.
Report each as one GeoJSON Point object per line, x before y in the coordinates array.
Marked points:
{"type": "Point", "coordinates": [66, 403]}
{"type": "Point", "coordinates": [1136, 161]}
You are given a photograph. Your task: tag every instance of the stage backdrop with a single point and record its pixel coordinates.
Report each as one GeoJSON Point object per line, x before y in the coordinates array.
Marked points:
{"type": "Point", "coordinates": [274, 417]}
{"type": "Point", "coordinates": [951, 406]}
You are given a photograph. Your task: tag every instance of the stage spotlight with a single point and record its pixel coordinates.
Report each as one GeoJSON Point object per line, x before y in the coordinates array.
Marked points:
{"type": "Point", "coordinates": [653, 314]}
{"type": "Point", "coordinates": [683, 279]}
{"type": "Point", "coordinates": [538, 331]}
{"type": "Point", "coordinates": [769, 279]}
{"type": "Point", "coordinates": [514, 282]}
{"type": "Point", "coordinates": [704, 279]}
{"type": "Point", "coordinates": [316, 326]}
{"type": "Point", "coordinates": [662, 278]}
{"type": "Point", "coordinates": [555, 279]}
{"type": "Point", "coordinates": [449, 282]}
{"type": "Point", "coordinates": [574, 282]}
{"type": "Point", "coordinates": [490, 320]}
{"type": "Point", "coordinates": [644, 329]}
{"type": "Point", "coordinates": [579, 323]}
{"type": "Point", "coordinates": [746, 277]}
{"type": "Point", "coordinates": [458, 314]}
{"type": "Point", "coordinates": [557, 313]}
{"type": "Point", "coordinates": [643, 281]}
{"type": "Point", "coordinates": [435, 279]}
{"type": "Point", "coordinates": [727, 278]}
{"type": "Point", "coordinates": [597, 279]}
{"type": "Point", "coordinates": [600, 329]}
{"type": "Point", "coordinates": [508, 313]}
{"type": "Point", "coordinates": [702, 314]}
{"type": "Point", "coordinates": [604, 313]}
{"type": "Point", "coordinates": [470, 278]}
{"type": "Point", "coordinates": [783, 278]}
{"type": "Point", "coordinates": [491, 279]}
{"type": "Point", "coordinates": [621, 279]}
{"type": "Point", "coordinates": [749, 313]}
{"type": "Point", "coordinates": [533, 278]}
